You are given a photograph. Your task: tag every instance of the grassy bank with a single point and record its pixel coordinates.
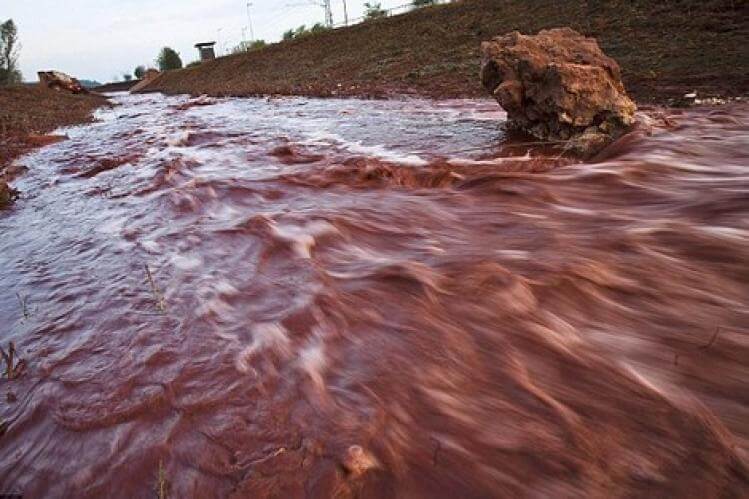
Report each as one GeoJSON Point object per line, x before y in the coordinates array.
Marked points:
{"type": "Point", "coordinates": [665, 49]}
{"type": "Point", "coordinates": [29, 112]}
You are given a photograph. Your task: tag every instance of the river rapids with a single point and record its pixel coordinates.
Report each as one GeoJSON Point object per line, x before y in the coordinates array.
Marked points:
{"type": "Point", "coordinates": [340, 298]}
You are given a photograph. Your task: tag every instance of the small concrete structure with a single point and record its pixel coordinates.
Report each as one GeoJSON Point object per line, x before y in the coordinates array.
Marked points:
{"type": "Point", "coordinates": [206, 50]}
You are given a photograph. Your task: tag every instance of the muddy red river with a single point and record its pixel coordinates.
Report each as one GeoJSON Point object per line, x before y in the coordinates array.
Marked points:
{"type": "Point", "coordinates": [339, 298]}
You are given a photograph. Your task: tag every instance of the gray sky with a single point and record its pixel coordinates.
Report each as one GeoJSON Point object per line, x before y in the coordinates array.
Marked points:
{"type": "Point", "coordinates": [98, 39]}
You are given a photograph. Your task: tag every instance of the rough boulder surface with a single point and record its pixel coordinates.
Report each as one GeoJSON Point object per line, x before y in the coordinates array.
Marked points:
{"type": "Point", "coordinates": [57, 80]}
{"type": "Point", "coordinates": [558, 85]}
{"type": "Point", "coordinates": [7, 194]}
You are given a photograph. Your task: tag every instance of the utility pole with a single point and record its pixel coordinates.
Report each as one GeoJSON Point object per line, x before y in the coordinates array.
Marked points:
{"type": "Point", "coordinates": [328, 13]}
{"type": "Point", "coordinates": [249, 22]}
{"type": "Point", "coordinates": [345, 13]}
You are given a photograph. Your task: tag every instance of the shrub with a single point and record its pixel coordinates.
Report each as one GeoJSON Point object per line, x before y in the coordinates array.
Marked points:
{"type": "Point", "coordinates": [247, 46]}
{"type": "Point", "coordinates": [304, 31]}
{"type": "Point", "coordinates": [168, 59]}
{"type": "Point", "coordinates": [374, 11]}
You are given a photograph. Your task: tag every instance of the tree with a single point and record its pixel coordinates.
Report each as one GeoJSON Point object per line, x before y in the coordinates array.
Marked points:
{"type": "Point", "coordinates": [303, 30]}
{"type": "Point", "coordinates": [247, 46]}
{"type": "Point", "coordinates": [140, 72]}
{"type": "Point", "coordinates": [127, 77]}
{"type": "Point", "coordinates": [168, 59]}
{"type": "Point", "coordinates": [318, 28]}
{"type": "Point", "coordinates": [374, 11]}
{"type": "Point", "coordinates": [423, 3]}
{"type": "Point", "coordinates": [288, 35]}
{"type": "Point", "coordinates": [9, 73]}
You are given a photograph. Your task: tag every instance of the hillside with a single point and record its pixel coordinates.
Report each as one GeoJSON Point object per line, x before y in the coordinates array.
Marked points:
{"type": "Point", "coordinates": [665, 49]}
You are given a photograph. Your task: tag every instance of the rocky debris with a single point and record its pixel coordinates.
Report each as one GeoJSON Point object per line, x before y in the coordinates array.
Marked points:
{"type": "Point", "coordinates": [7, 194]}
{"type": "Point", "coordinates": [202, 100]}
{"type": "Point", "coordinates": [558, 85]}
{"type": "Point", "coordinates": [290, 155]}
{"type": "Point", "coordinates": [149, 77]}
{"type": "Point", "coordinates": [12, 172]}
{"type": "Point", "coordinates": [694, 99]}
{"type": "Point", "coordinates": [57, 80]}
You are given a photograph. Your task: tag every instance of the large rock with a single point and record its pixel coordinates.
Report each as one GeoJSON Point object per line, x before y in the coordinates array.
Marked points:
{"type": "Point", "coordinates": [558, 85]}
{"type": "Point", "coordinates": [57, 80]}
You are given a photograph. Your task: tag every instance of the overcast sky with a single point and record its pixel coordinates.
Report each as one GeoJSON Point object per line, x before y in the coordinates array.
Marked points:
{"type": "Point", "coordinates": [100, 39]}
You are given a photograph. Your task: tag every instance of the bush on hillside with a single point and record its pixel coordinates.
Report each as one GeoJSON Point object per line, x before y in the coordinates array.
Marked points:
{"type": "Point", "coordinates": [168, 59]}
{"type": "Point", "coordinates": [302, 31]}
{"type": "Point", "coordinates": [247, 46]}
{"type": "Point", "coordinates": [374, 11]}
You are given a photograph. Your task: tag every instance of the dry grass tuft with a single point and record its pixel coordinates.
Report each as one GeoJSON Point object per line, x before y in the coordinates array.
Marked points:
{"type": "Point", "coordinates": [13, 369]}
{"type": "Point", "coordinates": [158, 298]}
{"type": "Point", "coordinates": [162, 484]}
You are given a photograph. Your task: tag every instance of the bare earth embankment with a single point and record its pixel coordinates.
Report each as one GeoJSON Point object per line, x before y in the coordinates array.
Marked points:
{"type": "Point", "coordinates": [666, 49]}
{"type": "Point", "coordinates": [27, 113]}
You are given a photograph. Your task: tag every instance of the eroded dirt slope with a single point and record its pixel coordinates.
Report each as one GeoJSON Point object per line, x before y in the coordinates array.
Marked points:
{"type": "Point", "coordinates": [665, 49]}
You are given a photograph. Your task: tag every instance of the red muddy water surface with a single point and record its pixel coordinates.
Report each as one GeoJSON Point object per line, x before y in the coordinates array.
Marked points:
{"type": "Point", "coordinates": [376, 299]}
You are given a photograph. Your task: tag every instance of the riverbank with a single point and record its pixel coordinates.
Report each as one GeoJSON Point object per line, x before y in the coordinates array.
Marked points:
{"type": "Point", "coordinates": [118, 86]}
{"type": "Point", "coordinates": [28, 113]}
{"type": "Point", "coordinates": [665, 51]}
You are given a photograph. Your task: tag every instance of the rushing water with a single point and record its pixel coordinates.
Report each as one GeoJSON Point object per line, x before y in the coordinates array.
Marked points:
{"type": "Point", "coordinates": [376, 299]}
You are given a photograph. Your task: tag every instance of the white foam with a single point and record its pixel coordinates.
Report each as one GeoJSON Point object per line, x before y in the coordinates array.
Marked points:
{"type": "Point", "coordinates": [179, 139]}
{"type": "Point", "coordinates": [112, 227]}
{"type": "Point", "coordinates": [264, 335]}
{"type": "Point", "coordinates": [313, 362]}
{"type": "Point", "coordinates": [225, 288]}
{"type": "Point", "coordinates": [458, 161]}
{"type": "Point", "coordinates": [186, 262]}
{"type": "Point", "coordinates": [356, 147]}
{"type": "Point", "coordinates": [303, 238]}
{"type": "Point", "coordinates": [151, 246]}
